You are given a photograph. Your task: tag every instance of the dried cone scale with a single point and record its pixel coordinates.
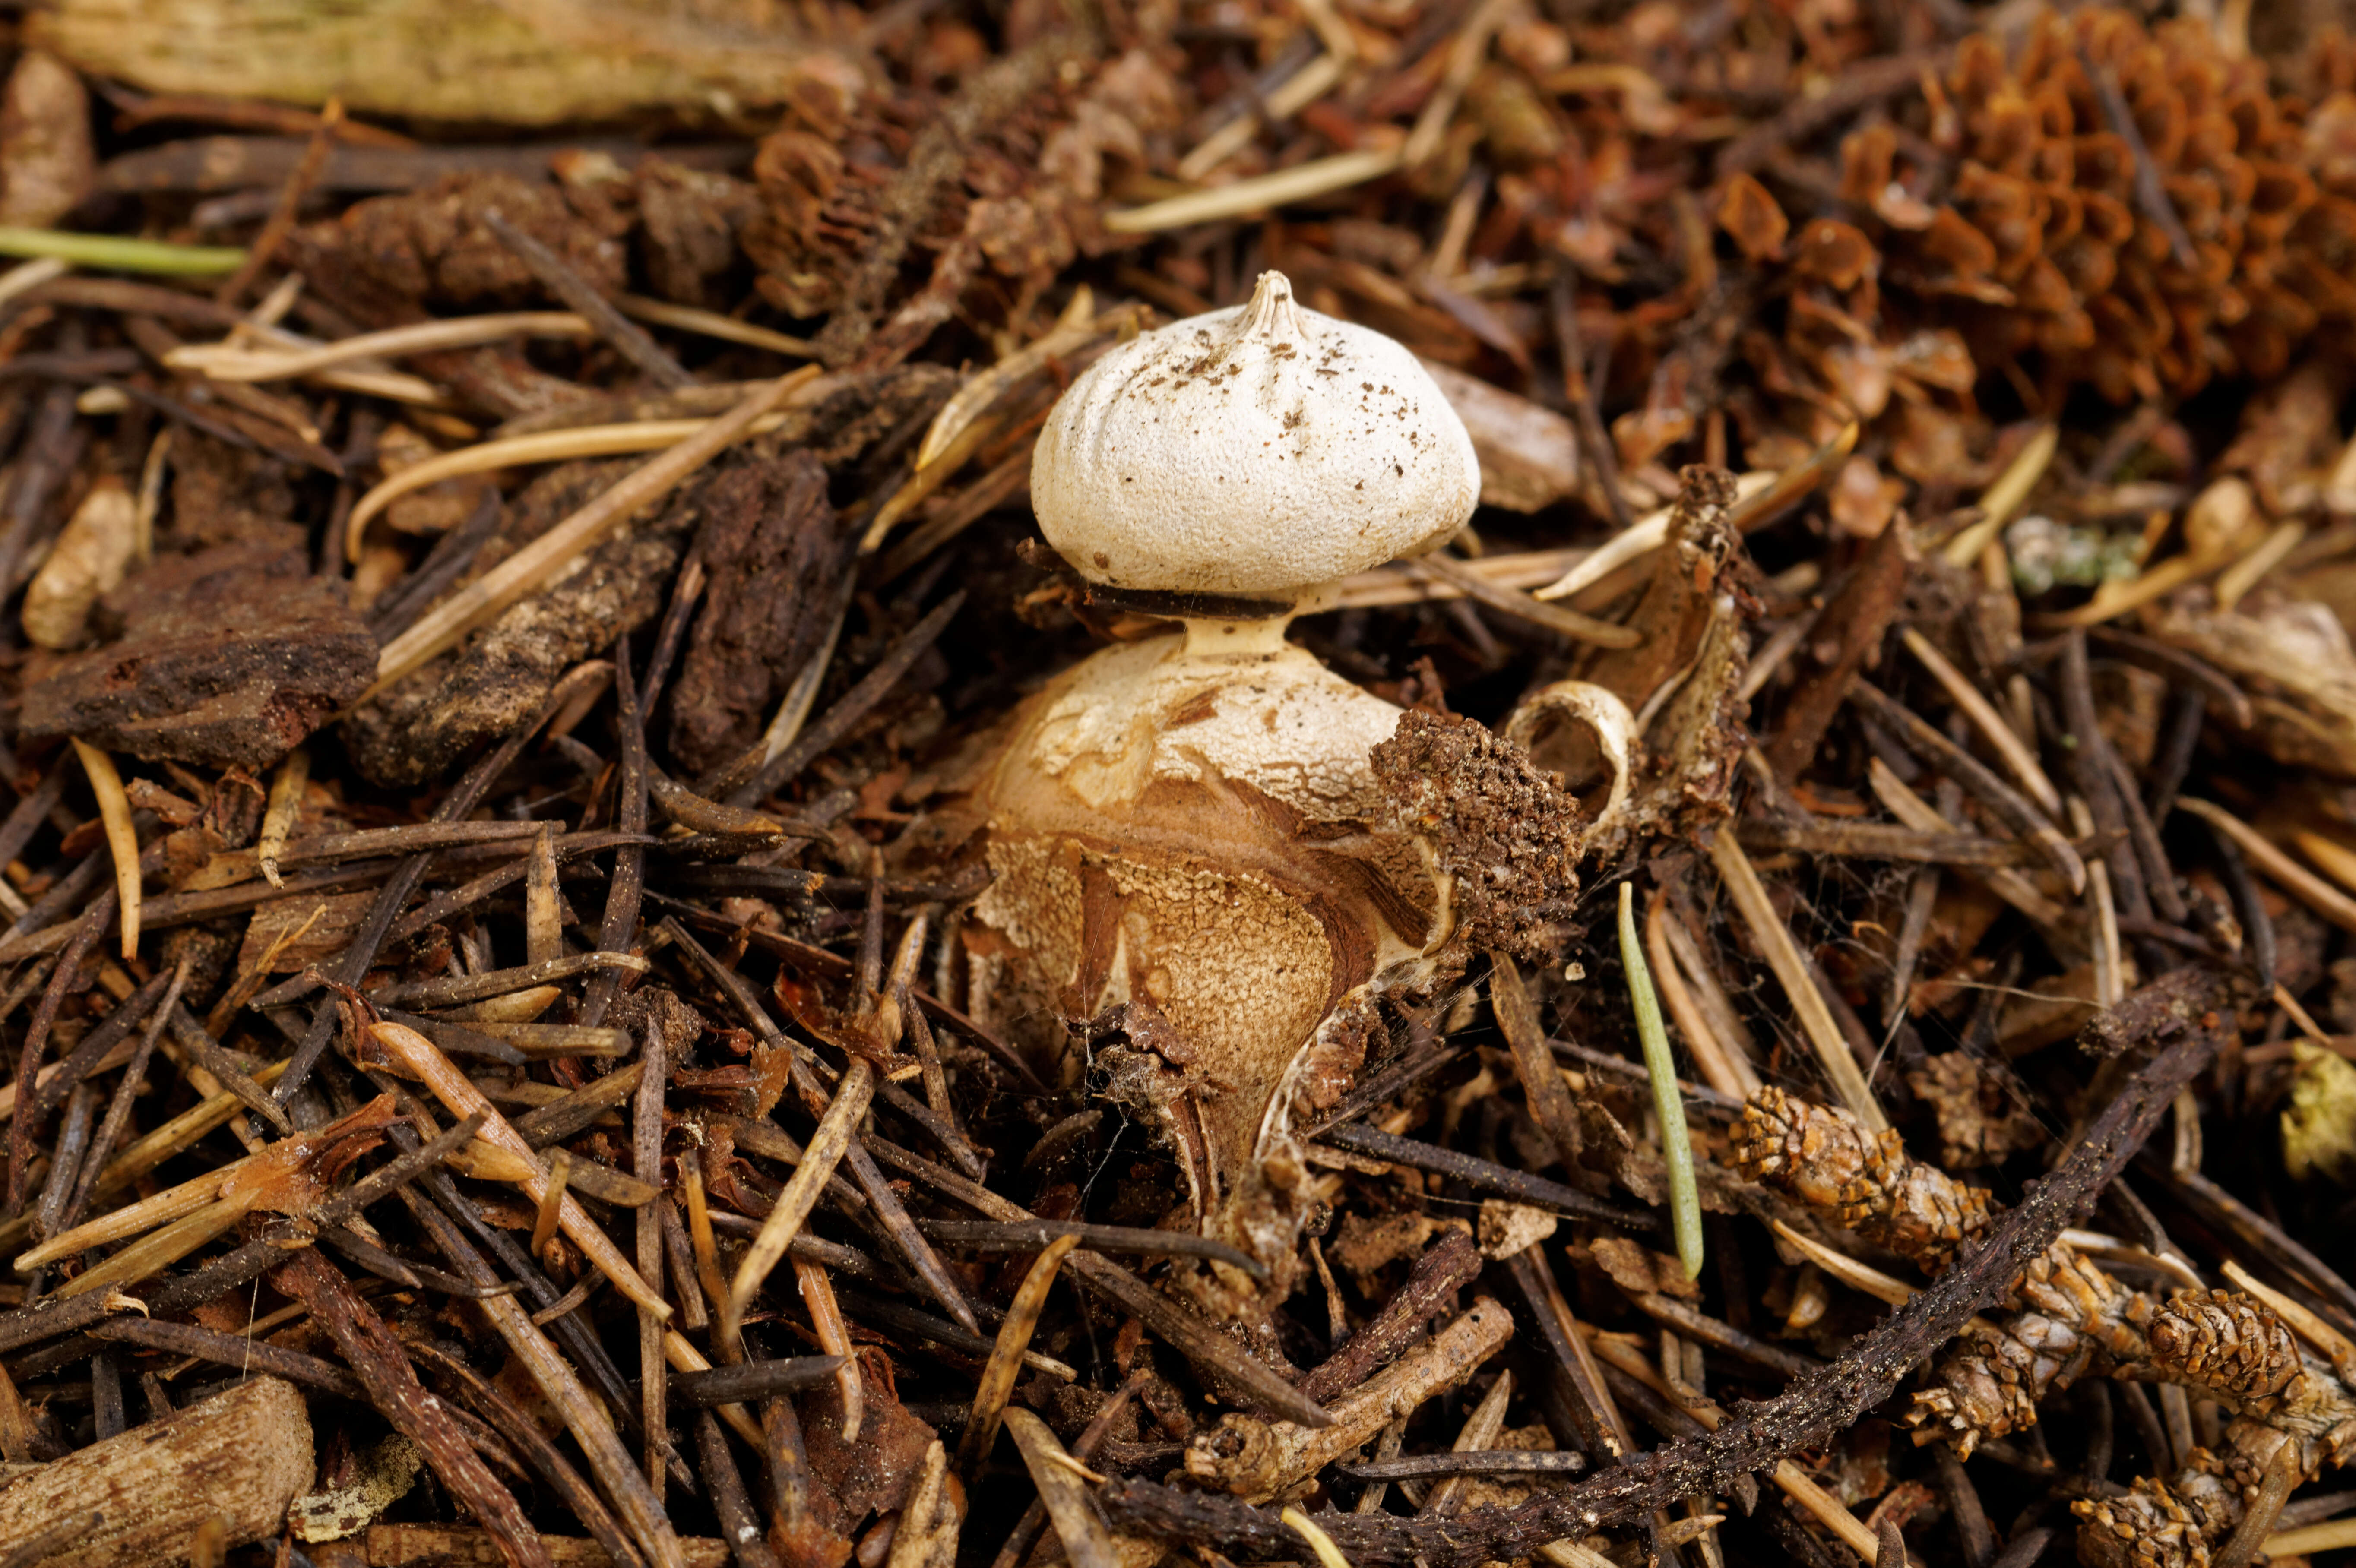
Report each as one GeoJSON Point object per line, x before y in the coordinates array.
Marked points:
{"type": "Point", "coordinates": [1189, 826]}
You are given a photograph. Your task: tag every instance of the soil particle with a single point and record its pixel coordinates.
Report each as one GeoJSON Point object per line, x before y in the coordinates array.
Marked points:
{"type": "Point", "coordinates": [690, 220]}
{"type": "Point", "coordinates": [432, 246]}
{"type": "Point", "coordinates": [1505, 831]}
{"type": "Point", "coordinates": [223, 494]}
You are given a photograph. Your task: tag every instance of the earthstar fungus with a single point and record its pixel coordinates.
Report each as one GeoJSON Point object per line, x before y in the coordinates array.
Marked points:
{"type": "Point", "coordinates": [1201, 872]}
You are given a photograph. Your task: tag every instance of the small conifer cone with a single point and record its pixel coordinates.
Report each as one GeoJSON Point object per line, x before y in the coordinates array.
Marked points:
{"type": "Point", "coordinates": [2228, 1342]}
{"type": "Point", "coordinates": [1825, 1158]}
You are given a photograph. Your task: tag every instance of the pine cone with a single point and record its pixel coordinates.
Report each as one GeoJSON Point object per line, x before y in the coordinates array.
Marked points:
{"type": "Point", "coordinates": [1868, 1181]}
{"type": "Point", "coordinates": [1977, 1122]}
{"type": "Point", "coordinates": [2109, 204]}
{"type": "Point", "coordinates": [2173, 1523]}
{"type": "Point", "coordinates": [2228, 1342]}
{"type": "Point", "coordinates": [2078, 1316]}
{"type": "Point", "coordinates": [2149, 1527]}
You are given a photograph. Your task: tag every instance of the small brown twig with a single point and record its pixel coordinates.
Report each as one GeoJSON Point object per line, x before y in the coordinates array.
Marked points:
{"type": "Point", "coordinates": [1595, 446]}
{"type": "Point", "coordinates": [288, 209]}
{"type": "Point", "coordinates": [1447, 1266]}
{"type": "Point", "coordinates": [368, 1344]}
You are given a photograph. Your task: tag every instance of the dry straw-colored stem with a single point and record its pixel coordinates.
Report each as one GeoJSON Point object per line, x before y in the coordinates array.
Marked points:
{"type": "Point", "coordinates": [1857, 1276]}
{"type": "Point", "coordinates": [2282, 1475]}
{"type": "Point", "coordinates": [122, 838]}
{"type": "Point", "coordinates": [1912, 810]}
{"type": "Point", "coordinates": [1710, 995]}
{"type": "Point", "coordinates": [2246, 573]}
{"type": "Point", "coordinates": [2336, 859]}
{"type": "Point", "coordinates": [278, 818]}
{"type": "Point", "coordinates": [1320, 176]}
{"type": "Point", "coordinates": [2293, 878]}
{"type": "Point", "coordinates": [1773, 939]}
{"type": "Point", "coordinates": [1291, 96]}
{"type": "Point", "coordinates": [1079, 327]}
{"type": "Point", "coordinates": [1464, 58]}
{"type": "Point", "coordinates": [2110, 961]}
{"type": "Point", "coordinates": [1062, 1487]}
{"type": "Point", "coordinates": [156, 1147]}
{"type": "Point", "coordinates": [516, 452]}
{"type": "Point", "coordinates": [420, 1059]}
{"type": "Point", "coordinates": [2004, 497]}
{"type": "Point", "coordinates": [701, 1240]}
{"type": "Point", "coordinates": [27, 276]}
{"type": "Point", "coordinates": [1386, 586]}
{"type": "Point", "coordinates": [2308, 1539]}
{"type": "Point", "coordinates": [552, 1200]}
{"type": "Point", "coordinates": [834, 1338]}
{"type": "Point", "coordinates": [229, 362]}
{"type": "Point", "coordinates": [609, 1460]}
{"type": "Point", "coordinates": [1005, 1362]}
{"type": "Point", "coordinates": [682, 1355]}
{"type": "Point", "coordinates": [1527, 607]}
{"type": "Point", "coordinates": [2019, 760]}
{"type": "Point", "coordinates": [1480, 1430]}
{"type": "Point", "coordinates": [1759, 496]}
{"type": "Point", "coordinates": [711, 324]}
{"type": "Point", "coordinates": [1329, 1555]}
{"type": "Point", "coordinates": [1720, 1066]}
{"type": "Point", "coordinates": [545, 446]}
{"type": "Point", "coordinates": [825, 1152]}
{"type": "Point", "coordinates": [2315, 1329]}
{"type": "Point", "coordinates": [160, 1249]}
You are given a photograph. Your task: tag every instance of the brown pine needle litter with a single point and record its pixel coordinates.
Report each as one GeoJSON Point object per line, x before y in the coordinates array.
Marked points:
{"type": "Point", "coordinates": [1407, 785]}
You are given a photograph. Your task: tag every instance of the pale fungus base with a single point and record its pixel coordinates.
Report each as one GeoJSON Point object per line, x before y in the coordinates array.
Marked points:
{"type": "Point", "coordinates": [1210, 871]}
{"type": "Point", "coordinates": [1202, 835]}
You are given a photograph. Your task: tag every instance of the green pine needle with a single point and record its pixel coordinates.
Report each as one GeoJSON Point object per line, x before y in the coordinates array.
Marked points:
{"type": "Point", "coordinates": [112, 252]}
{"type": "Point", "coordinates": [1676, 1148]}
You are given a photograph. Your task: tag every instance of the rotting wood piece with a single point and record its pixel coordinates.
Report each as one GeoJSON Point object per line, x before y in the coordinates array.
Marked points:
{"type": "Point", "coordinates": [233, 657]}
{"type": "Point", "coordinates": [242, 1456]}
{"type": "Point", "coordinates": [1447, 1266]}
{"type": "Point", "coordinates": [770, 542]}
{"type": "Point", "coordinates": [1260, 1459]}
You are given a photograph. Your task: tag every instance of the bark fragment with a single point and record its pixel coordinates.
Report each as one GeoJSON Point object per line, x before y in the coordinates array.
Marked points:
{"type": "Point", "coordinates": [235, 656]}
{"type": "Point", "coordinates": [770, 542]}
